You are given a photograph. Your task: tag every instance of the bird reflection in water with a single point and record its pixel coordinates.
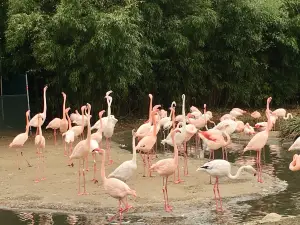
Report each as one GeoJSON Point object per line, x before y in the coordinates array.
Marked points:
{"type": "Point", "coordinates": [72, 219]}
{"type": "Point", "coordinates": [44, 218]}
{"type": "Point", "coordinates": [26, 216]}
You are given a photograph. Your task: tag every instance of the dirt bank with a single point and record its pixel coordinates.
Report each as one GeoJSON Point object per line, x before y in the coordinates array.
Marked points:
{"type": "Point", "coordinates": [59, 191]}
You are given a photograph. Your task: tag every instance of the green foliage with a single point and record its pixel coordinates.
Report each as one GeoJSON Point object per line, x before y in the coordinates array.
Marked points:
{"type": "Point", "coordinates": [290, 128]}
{"type": "Point", "coordinates": [221, 53]}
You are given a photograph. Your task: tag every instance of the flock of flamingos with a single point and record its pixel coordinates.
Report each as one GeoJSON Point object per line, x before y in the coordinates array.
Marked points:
{"type": "Point", "coordinates": [182, 128]}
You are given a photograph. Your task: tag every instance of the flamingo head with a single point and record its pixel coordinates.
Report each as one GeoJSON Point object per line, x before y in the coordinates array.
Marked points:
{"type": "Point", "coordinates": [150, 96]}
{"type": "Point", "coordinates": [82, 108]}
{"type": "Point", "coordinates": [45, 88]}
{"type": "Point", "coordinates": [257, 126]}
{"type": "Point", "coordinates": [98, 150]}
{"type": "Point", "coordinates": [189, 115]}
{"type": "Point", "coordinates": [64, 94]}
{"type": "Point", "coordinates": [108, 93]}
{"type": "Point", "coordinates": [156, 107]}
{"type": "Point", "coordinates": [269, 99]}
{"type": "Point", "coordinates": [27, 113]}
{"type": "Point", "coordinates": [101, 113]}
{"type": "Point", "coordinates": [204, 106]}
{"type": "Point", "coordinates": [68, 109]}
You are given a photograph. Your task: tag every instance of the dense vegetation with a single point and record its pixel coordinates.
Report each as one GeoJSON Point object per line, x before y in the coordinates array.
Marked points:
{"type": "Point", "coordinates": [222, 53]}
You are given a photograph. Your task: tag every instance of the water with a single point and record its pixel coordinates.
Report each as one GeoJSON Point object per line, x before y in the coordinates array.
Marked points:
{"type": "Point", "coordinates": [275, 159]}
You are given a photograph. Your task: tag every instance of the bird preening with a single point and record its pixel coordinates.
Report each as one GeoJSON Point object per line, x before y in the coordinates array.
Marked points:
{"type": "Point", "coordinates": [176, 132]}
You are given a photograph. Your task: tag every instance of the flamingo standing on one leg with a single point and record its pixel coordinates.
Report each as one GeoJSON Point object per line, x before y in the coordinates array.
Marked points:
{"type": "Point", "coordinates": [97, 136]}
{"type": "Point", "coordinates": [19, 141]}
{"type": "Point", "coordinates": [40, 142]}
{"type": "Point", "coordinates": [69, 137]}
{"type": "Point", "coordinates": [222, 168]}
{"type": "Point", "coordinates": [80, 152]}
{"type": "Point", "coordinates": [165, 168]}
{"type": "Point", "coordinates": [63, 126]}
{"type": "Point", "coordinates": [108, 131]}
{"type": "Point", "coordinates": [116, 189]}
{"type": "Point", "coordinates": [34, 120]}
{"type": "Point", "coordinates": [54, 124]}
{"type": "Point", "coordinates": [259, 140]}
{"type": "Point", "coordinates": [125, 171]}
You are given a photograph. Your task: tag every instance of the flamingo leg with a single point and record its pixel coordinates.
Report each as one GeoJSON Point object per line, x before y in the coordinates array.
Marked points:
{"type": "Point", "coordinates": [178, 180]}
{"type": "Point", "coordinates": [26, 160]}
{"type": "Point", "coordinates": [186, 160]}
{"type": "Point", "coordinates": [87, 163]}
{"type": "Point", "coordinates": [54, 134]}
{"type": "Point", "coordinates": [95, 168]}
{"type": "Point", "coordinates": [44, 166]}
{"type": "Point", "coordinates": [149, 164]}
{"type": "Point", "coordinates": [144, 162]}
{"type": "Point", "coordinates": [164, 193]}
{"type": "Point", "coordinates": [83, 174]}
{"type": "Point", "coordinates": [219, 196]}
{"type": "Point", "coordinates": [18, 159]}
{"type": "Point", "coordinates": [70, 152]}
{"type": "Point", "coordinates": [38, 165]}
{"type": "Point", "coordinates": [79, 174]}
{"type": "Point", "coordinates": [169, 208]}
{"type": "Point", "coordinates": [37, 131]}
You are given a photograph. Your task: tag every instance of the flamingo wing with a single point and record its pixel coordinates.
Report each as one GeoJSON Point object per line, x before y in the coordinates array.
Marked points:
{"type": "Point", "coordinates": [124, 171]}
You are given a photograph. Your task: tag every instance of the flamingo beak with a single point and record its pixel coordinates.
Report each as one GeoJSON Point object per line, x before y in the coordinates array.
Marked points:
{"type": "Point", "coordinates": [98, 150]}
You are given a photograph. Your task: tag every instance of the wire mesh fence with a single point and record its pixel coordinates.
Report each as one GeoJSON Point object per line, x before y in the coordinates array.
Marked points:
{"type": "Point", "coordinates": [12, 112]}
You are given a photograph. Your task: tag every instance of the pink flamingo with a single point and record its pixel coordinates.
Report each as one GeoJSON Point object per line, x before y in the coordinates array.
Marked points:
{"type": "Point", "coordinates": [125, 171]}
{"type": "Point", "coordinates": [54, 124]}
{"type": "Point", "coordinates": [144, 129]}
{"type": "Point", "coordinates": [255, 115]}
{"type": "Point", "coordinates": [69, 137]}
{"type": "Point", "coordinates": [19, 141]}
{"type": "Point", "coordinates": [81, 151]}
{"type": "Point", "coordinates": [165, 168]}
{"type": "Point", "coordinates": [63, 126]}
{"type": "Point", "coordinates": [40, 142]}
{"type": "Point", "coordinates": [249, 130]}
{"type": "Point", "coordinates": [108, 130]}
{"type": "Point", "coordinates": [295, 164]}
{"type": "Point", "coordinates": [146, 144]}
{"type": "Point", "coordinates": [78, 130]}
{"type": "Point", "coordinates": [34, 120]}
{"type": "Point", "coordinates": [222, 168]}
{"type": "Point", "coordinates": [116, 189]}
{"type": "Point", "coordinates": [97, 136]}
{"type": "Point", "coordinates": [259, 140]}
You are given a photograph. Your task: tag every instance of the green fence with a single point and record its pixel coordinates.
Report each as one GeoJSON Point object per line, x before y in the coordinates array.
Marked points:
{"type": "Point", "coordinates": [12, 112]}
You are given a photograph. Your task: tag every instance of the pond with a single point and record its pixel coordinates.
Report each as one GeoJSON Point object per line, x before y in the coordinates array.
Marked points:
{"type": "Point", "coordinates": [275, 159]}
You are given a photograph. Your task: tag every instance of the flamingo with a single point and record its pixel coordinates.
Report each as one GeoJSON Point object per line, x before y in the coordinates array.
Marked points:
{"type": "Point", "coordinates": [34, 120]}
{"type": "Point", "coordinates": [249, 130]}
{"type": "Point", "coordinates": [282, 113]}
{"type": "Point", "coordinates": [125, 171]}
{"type": "Point", "coordinates": [108, 131]}
{"type": "Point", "coordinates": [81, 151]}
{"type": "Point", "coordinates": [63, 127]}
{"type": "Point", "coordinates": [222, 168]}
{"type": "Point", "coordinates": [227, 117]}
{"type": "Point", "coordinates": [54, 124]}
{"type": "Point", "coordinates": [166, 122]}
{"type": "Point", "coordinates": [146, 144]}
{"type": "Point", "coordinates": [116, 189]}
{"type": "Point", "coordinates": [295, 164]}
{"type": "Point", "coordinates": [69, 137]}
{"type": "Point", "coordinates": [19, 141]}
{"type": "Point", "coordinates": [239, 110]}
{"type": "Point", "coordinates": [40, 142]}
{"type": "Point", "coordinates": [165, 168]}
{"type": "Point", "coordinates": [227, 125]}
{"type": "Point", "coordinates": [259, 140]}
{"type": "Point", "coordinates": [144, 129]}
{"type": "Point", "coordinates": [295, 145]}
{"type": "Point", "coordinates": [78, 130]}
{"type": "Point", "coordinates": [97, 136]}
{"type": "Point", "coordinates": [96, 126]}
{"type": "Point", "coordinates": [255, 115]}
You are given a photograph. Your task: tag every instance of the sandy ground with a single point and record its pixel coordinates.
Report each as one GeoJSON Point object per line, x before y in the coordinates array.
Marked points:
{"type": "Point", "coordinates": [59, 191]}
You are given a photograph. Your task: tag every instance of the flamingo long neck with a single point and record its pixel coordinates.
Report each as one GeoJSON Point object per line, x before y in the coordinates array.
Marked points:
{"type": "Point", "coordinates": [183, 114]}
{"type": "Point", "coordinates": [40, 126]}
{"type": "Point", "coordinates": [69, 121]}
{"type": "Point", "coordinates": [172, 106]}
{"type": "Point", "coordinates": [88, 138]}
{"type": "Point", "coordinates": [45, 105]}
{"type": "Point", "coordinates": [289, 115]}
{"type": "Point", "coordinates": [64, 108]}
{"type": "Point", "coordinates": [109, 101]}
{"type": "Point", "coordinates": [204, 112]}
{"type": "Point", "coordinates": [228, 139]}
{"type": "Point", "coordinates": [173, 118]}
{"type": "Point", "coordinates": [27, 125]}
{"type": "Point", "coordinates": [154, 124]}
{"type": "Point", "coordinates": [134, 149]}
{"type": "Point", "coordinates": [269, 126]}
{"type": "Point", "coordinates": [150, 110]}
{"type": "Point", "coordinates": [237, 174]}
{"type": "Point", "coordinates": [82, 119]}
{"type": "Point", "coordinates": [103, 168]}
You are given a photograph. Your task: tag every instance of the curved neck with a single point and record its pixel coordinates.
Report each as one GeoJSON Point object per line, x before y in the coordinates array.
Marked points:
{"type": "Point", "coordinates": [269, 126]}
{"type": "Point", "coordinates": [27, 125]}
{"type": "Point", "coordinates": [64, 108]}
{"type": "Point", "coordinates": [108, 108]}
{"type": "Point", "coordinates": [103, 168]}
{"type": "Point", "coordinates": [173, 119]}
{"type": "Point", "coordinates": [88, 138]}
{"type": "Point", "coordinates": [39, 126]}
{"type": "Point", "coordinates": [289, 115]}
{"type": "Point", "coordinates": [82, 120]}
{"type": "Point", "coordinates": [228, 139]}
{"type": "Point", "coordinates": [133, 149]}
{"type": "Point", "coordinates": [237, 174]}
{"type": "Point", "coordinates": [183, 114]}
{"type": "Point", "coordinates": [45, 105]}
{"type": "Point", "coordinates": [69, 120]}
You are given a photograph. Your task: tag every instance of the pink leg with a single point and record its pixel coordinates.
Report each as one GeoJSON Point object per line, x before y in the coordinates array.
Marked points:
{"type": "Point", "coordinates": [87, 163]}
{"type": "Point", "coordinates": [44, 165]}
{"type": "Point", "coordinates": [169, 208]}
{"type": "Point", "coordinates": [216, 199]}
{"type": "Point", "coordinates": [38, 166]}
{"type": "Point", "coordinates": [144, 162]}
{"type": "Point", "coordinates": [95, 168]}
{"type": "Point", "coordinates": [54, 133]}
{"type": "Point", "coordinates": [219, 196]}
{"type": "Point", "coordinates": [79, 174]}
{"type": "Point", "coordinates": [18, 159]}
{"type": "Point", "coordinates": [83, 173]}
{"type": "Point", "coordinates": [178, 180]}
{"type": "Point", "coordinates": [37, 132]}
{"type": "Point", "coordinates": [164, 193]}
{"type": "Point", "coordinates": [149, 163]}
{"type": "Point", "coordinates": [109, 145]}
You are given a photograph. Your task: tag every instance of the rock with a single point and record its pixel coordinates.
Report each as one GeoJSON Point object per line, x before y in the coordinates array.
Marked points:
{"type": "Point", "coordinates": [271, 217]}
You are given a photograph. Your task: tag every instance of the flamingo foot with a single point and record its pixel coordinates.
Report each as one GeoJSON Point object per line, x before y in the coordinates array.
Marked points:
{"type": "Point", "coordinates": [37, 181]}
{"type": "Point", "coordinates": [85, 193]}
{"type": "Point", "coordinates": [110, 162]}
{"type": "Point", "coordinates": [43, 178]}
{"type": "Point", "coordinates": [80, 193]}
{"type": "Point", "coordinates": [65, 154]}
{"type": "Point", "coordinates": [178, 181]}
{"type": "Point", "coordinates": [168, 209]}
{"type": "Point", "coordinates": [72, 165]}
{"type": "Point", "coordinates": [95, 181]}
